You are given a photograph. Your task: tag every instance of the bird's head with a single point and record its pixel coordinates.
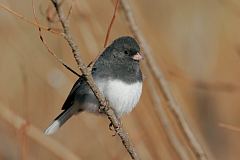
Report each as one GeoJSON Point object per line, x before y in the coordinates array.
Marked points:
{"type": "Point", "coordinates": [127, 47]}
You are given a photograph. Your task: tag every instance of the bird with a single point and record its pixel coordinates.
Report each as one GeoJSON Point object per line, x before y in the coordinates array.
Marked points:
{"type": "Point", "coordinates": [117, 74]}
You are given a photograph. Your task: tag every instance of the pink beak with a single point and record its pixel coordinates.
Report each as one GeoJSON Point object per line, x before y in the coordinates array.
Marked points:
{"type": "Point", "coordinates": [137, 56]}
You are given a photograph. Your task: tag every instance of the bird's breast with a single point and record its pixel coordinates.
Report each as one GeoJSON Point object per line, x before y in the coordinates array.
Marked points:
{"type": "Point", "coordinates": [122, 97]}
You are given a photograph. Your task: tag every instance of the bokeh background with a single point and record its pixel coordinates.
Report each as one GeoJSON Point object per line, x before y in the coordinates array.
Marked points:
{"type": "Point", "coordinates": [196, 44]}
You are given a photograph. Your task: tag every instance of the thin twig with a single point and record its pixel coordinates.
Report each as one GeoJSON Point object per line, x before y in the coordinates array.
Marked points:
{"type": "Point", "coordinates": [171, 134]}
{"type": "Point", "coordinates": [23, 140]}
{"type": "Point", "coordinates": [9, 117]}
{"type": "Point", "coordinates": [45, 43]}
{"type": "Point", "coordinates": [158, 74]}
{"type": "Point", "coordinates": [104, 106]}
{"type": "Point", "coordinates": [229, 127]}
{"type": "Point", "coordinates": [51, 15]}
{"type": "Point", "coordinates": [54, 55]}
{"type": "Point", "coordinates": [111, 23]}
{"type": "Point", "coordinates": [108, 32]}
{"type": "Point", "coordinates": [26, 20]}
{"type": "Point", "coordinates": [70, 10]}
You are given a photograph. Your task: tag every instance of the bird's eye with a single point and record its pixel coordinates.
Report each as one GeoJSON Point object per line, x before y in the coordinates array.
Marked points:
{"type": "Point", "coordinates": [126, 52]}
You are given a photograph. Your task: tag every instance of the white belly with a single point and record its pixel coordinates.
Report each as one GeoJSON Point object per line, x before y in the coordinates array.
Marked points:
{"type": "Point", "coordinates": [122, 97]}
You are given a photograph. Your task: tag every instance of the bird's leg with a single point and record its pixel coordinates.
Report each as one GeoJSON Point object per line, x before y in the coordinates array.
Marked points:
{"type": "Point", "coordinates": [110, 126]}
{"type": "Point", "coordinates": [103, 106]}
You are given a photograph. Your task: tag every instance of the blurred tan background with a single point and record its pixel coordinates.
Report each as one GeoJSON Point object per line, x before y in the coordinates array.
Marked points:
{"type": "Point", "coordinates": [196, 43]}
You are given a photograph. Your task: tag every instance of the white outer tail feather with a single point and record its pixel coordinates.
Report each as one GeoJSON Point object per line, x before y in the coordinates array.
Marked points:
{"type": "Point", "coordinates": [52, 128]}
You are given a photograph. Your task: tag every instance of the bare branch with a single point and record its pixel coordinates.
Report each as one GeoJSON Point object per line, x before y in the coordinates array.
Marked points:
{"type": "Point", "coordinates": [28, 21]}
{"type": "Point", "coordinates": [45, 43]}
{"type": "Point", "coordinates": [86, 71]}
{"type": "Point", "coordinates": [51, 14]}
{"type": "Point", "coordinates": [156, 71]}
{"type": "Point", "coordinates": [33, 133]}
{"type": "Point", "coordinates": [40, 27]}
{"type": "Point", "coordinates": [108, 31]}
{"type": "Point", "coordinates": [70, 10]}
{"type": "Point", "coordinates": [111, 23]}
{"type": "Point", "coordinates": [229, 127]}
{"type": "Point", "coordinates": [171, 134]}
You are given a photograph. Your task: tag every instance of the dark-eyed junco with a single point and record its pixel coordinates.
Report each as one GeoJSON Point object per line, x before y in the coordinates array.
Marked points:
{"type": "Point", "coordinates": [118, 76]}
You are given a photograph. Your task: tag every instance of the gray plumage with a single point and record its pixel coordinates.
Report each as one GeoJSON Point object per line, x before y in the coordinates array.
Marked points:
{"type": "Point", "coordinates": [117, 75]}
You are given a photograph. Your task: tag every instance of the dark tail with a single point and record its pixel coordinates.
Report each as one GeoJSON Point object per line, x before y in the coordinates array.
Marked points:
{"type": "Point", "coordinates": [59, 121]}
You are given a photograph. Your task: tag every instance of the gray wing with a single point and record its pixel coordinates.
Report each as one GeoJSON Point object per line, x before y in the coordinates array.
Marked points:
{"type": "Point", "coordinates": [80, 86]}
